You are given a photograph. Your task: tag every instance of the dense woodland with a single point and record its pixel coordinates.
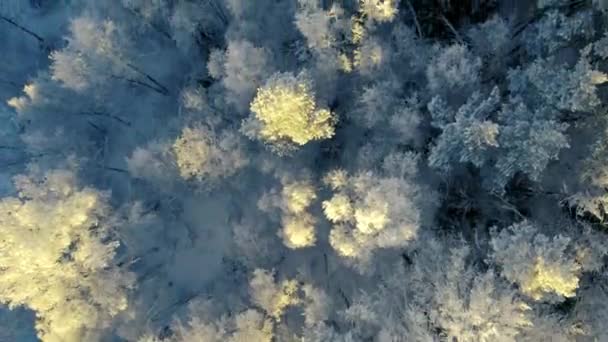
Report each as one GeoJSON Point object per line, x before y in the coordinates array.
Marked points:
{"type": "Point", "coordinates": [303, 170]}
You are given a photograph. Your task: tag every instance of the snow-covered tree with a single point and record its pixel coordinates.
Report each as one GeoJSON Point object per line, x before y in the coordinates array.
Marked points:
{"type": "Point", "coordinates": [98, 51]}
{"type": "Point", "coordinates": [471, 137]}
{"type": "Point", "coordinates": [503, 140]}
{"type": "Point", "coordinates": [244, 68]}
{"type": "Point", "coordinates": [478, 308]}
{"type": "Point", "coordinates": [294, 200]}
{"type": "Point", "coordinates": [541, 266]}
{"type": "Point", "coordinates": [453, 70]}
{"type": "Point", "coordinates": [286, 114]}
{"type": "Point", "coordinates": [203, 155]}
{"type": "Point", "coordinates": [380, 10]}
{"type": "Point", "coordinates": [370, 211]}
{"type": "Point", "coordinates": [271, 296]}
{"type": "Point", "coordinates": [58, 249]}
{"type": "Point", "coordinates": [203, 325]}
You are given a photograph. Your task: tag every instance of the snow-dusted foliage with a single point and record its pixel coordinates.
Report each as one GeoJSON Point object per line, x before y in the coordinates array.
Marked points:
{"type": "Point", "coordinates": [476, 307]}
{"type": "Point", "coordinates": [286, 114]}
{"type": "Point", "coordinates": [541, 266]}
{"type": "Point", "coordinates": [454, 70]}
{"type": "Point", "coordinates": [57, 256]}
{"type": "Point", "coordinates": [200, 155]}
{"type": "Point", "coordinates": [380, 10]}
{"type": "Point", "coordinates": [293, 202]}
{"type": "Point", "coordinates": [303, 170]}
{"type": "Point", "coordinates": [371, 211]}
{"type": "Point", "coordinates": [242, 68]}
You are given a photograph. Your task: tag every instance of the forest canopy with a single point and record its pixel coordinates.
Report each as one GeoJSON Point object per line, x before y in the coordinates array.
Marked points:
{"type": "Point", "coordinates": [303, 170]}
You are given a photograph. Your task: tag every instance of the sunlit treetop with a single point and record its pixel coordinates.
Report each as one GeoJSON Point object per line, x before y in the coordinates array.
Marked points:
{"type": "Point", "coordinates": [298, 196]}
{"type": "Point", "coordinates": [205, 324]}
{"type": "Point", "coordinates": [274, 297]}
{"type": "Point", "coordinates": [336, 179]}
{"type": "Point", "coordinates": [293, 202]}
{"type": "Point", "coordinates": [298, 224]}
{"type": "Point", "coordinates": [258, 322]}
{"type": "Point", "coordinates": [298, 231]}
{"type": "Point", "coordinates": [202, 155]}
{"type": "Point", "coordinates": [339, 208]}
{"type": "Point", "coordinates": [550, 277]}
{"type": "Point", "coordinates": [379, 10]}
{"type": "Point", "coordinates": [369, 212]}
{"type": "Point", "coordinates": [541, 266]}
{"type": "Point", "coordinates": [56, 256]}
{"type": "Point", "coordinates": [286, 114]}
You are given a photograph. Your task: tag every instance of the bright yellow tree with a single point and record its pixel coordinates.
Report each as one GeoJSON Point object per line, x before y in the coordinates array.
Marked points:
{"type": "Point", "coordinates": [543, 267]}
{"type": "Point", "coordinates": [298, 224]}
{"type": "Point", "coordinates": [379, 10]}
{"type": "Point", "coordinates": [370, 212]}
{"type": "Point", "coordinates": [286, 113]}
{"type": "Point", "coordinates": [271, 296]}
{"type": "Point", "coordinates": [56, 257]}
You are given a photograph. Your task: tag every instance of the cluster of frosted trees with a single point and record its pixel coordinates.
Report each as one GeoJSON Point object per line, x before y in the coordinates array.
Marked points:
{"type": "Point", "coordinates": [303, 170]}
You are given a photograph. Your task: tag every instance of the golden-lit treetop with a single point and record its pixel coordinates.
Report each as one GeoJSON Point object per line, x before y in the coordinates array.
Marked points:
{"type": "Point", "coordinates": [339, 208]}
{"type": "Point", "coordinates": [298, 224]}
{"type": "Point", "coordinates": [298, 196]}
{"type": "Point", "coordinates": [336, 179]}
{"type": "Point", "coordinates": [56, 258]}
{"type": "Point", "coordinates": [380, 10]}
{"type": "Point", "coordinates": [271, 296]}
{"type": "Point", "coordinates": [542, 266]}
{"type": "Point", "coordinates": [370, 212]}
{"type": "Point", "coordinates": [298, 230]}
{"type": "Point", "coordinates": [550, 277]}
{"type": "Point", "coordinates": [203, 155]}
{"type": "Point", "coordinates": [286, 111]}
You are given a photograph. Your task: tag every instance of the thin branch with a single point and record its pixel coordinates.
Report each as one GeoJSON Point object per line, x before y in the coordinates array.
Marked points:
{"type": "Point", "coordinates": [173, 307]}
{"type": "Point", "coordinates": [29, 158]}
{"type": "Point", "coordinates": [11, 83]}
{"type": "Point", "coordinates": [192, 235]}
{"type": "Point", "coordinates": [411, 8]}
{"type": "Point", "coordinates": [100, 129]}
{"type": "Point", "coordinates": [541, 13]}
{"type": "Point", "coordinates": [162, 88]}
{"type": "Point", "coordinates": [115, 169]}
{"type": "Point", "coordinates": [23, 29]}
{"type": "Point", "coordinates": [449, 25]}
{"type": "Point", "coordinates": [155, 27]}
{"type": "Point", "coordinates": [6, 147]}
{"type": "Point", "coordinates": [343, 295]}
{"type": "Point", "coordinates": [476, 238]}
{"type": "Point", "coordinates": [144, 84]}
{"type": "Point", "coordinates": [219, 11]}
{"type": "Point", "coordinates": [542, 193]}
{"type": "Point", "coordinates": [509, 206]}
{"type": "Point", "coordinates": [129, 261]}
{"type": "Point", "coordinates": [15, 163]}
{"type": "Point", "coordinates": [117, 118]}
{"type": "Point", "coordinates": [406, 259]}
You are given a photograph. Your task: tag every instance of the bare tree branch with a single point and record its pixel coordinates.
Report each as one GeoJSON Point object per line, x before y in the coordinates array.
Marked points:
{"type": "Point", "coordinates": [451, 27]}
{"type": "Point", "coordinates": [23, 29]}
{"type": "Point", "coordinates": [411, 8]}
{"type": "Point", "coordinates": [162, 88]}
{"type": "Point", "coordinates": [114, 117]}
